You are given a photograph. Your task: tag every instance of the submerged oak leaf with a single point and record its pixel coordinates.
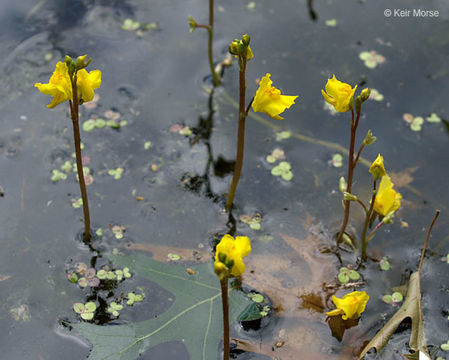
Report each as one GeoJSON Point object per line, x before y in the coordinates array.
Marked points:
{"type": "Point", "coordinates": [269, 100]}
{"type": "Point", "coordinates": [196, 305]}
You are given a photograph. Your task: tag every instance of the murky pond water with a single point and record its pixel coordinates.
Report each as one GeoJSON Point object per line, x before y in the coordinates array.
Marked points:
{"type": "Point", "coordinates": [170, 195]}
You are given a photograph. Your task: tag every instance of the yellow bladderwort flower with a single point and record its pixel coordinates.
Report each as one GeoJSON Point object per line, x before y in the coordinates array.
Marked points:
{"type": "Point", "coordinates": [387, 199]}
{"type": "Point", "coordinates": [59, 86]}
{"type": "Point", "coordinates": [339, 94]}
{"type": "Point", "coordinates": [229, 254]}
{"type": "Point", "coordinates": [350, 306]}
{"type": "Point", "coordinates": [87, 82]}
{"type": "Point", "coordinates": [377, 168]}
{"type": "Point", "coordinates": [269, 100]}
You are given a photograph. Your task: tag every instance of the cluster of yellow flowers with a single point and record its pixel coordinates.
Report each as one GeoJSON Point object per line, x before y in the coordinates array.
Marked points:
{"type": "Point", "coordinates": [60, 84]}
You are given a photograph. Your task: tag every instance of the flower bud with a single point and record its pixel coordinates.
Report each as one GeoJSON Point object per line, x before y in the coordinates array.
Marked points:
{"type": "Point", "coordinates": [220, 270]}
{"type": "Point", "coordinates": [358, 104]}
{"type": "Point", "coordinates": [193, 24]}
{"type": "Point", "coordinates": [234, 48]}
{"type": "Point", "coordinates": [342, 184]}
{"type": "Point", "coordinates": [349, 197]}
{"type": "Point", "coordinates": [364, 94]}
{"type": "Point", "coordinates": [246, 39]}
{"type": "Point", "coordinates": [81, 62]}
{"type": "Point", "coordinates": [70, 65]}
{"type": "Point", "coordinates": [222, 257]}
{"type": "Point", "coordinates": [388, 218]}
{"type": "Point", "coordinates": [369, 138]}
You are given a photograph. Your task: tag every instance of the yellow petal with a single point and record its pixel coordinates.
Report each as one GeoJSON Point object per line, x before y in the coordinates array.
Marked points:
{"type": "Point", "coordinates": [269, 100]}
{"type": "Point", "coordinates": [377, 168]}
{"type": "Point", "coordinates": [87, 83]}
{"type": "Point", "coordinates": [339, 94]}
{"type": "Point", "coordinates": [351, 305]}
{"type": "Point", "coordinates": [59, 85]}
{"type": "Point", "coordinates": [387, 199]}
{"type": "Point", "coordinates": [243, 245]}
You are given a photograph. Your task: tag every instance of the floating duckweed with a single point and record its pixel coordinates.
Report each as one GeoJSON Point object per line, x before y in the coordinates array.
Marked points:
{"type": "Point", "coordinates": [336, 161]}
{"type": "Point", "coordinates": [86, 311]}
{"type": "Point", "coordinates": [116, 173]}
{"type": "Point", "coordinates": [433, 118]}
{"type": "Point", "coordinates": [384, 264]}
{"type": "Point", "coordinates": [100, 123]}
{"type": "Point", "coordinates": [77, 203]}
{"type": "Point", "coordinates": [265, 311]}
{"type": "Point", "coordinates": [397, 297]}
{"type": "Point", "coordinates": [416, 124]}
{"type": "Point", "coordinates": [445, 347]}
{"type": "Point", "coordinates": [72, 277]}
{"type": "Point", "coordinates": [89, 125]}
{"type": "Point", "coordinates": [119, 274]}
{"type": "Point", "coordinates": [345, 275]}
{"type": "Point", "coordinates": [147, 145]}
{"type": "Point", "coordinates": [99, 232]}
{"type": "Point", "coordinates": [331, 22]}
{"type": "Point", "coordinates": [371, 58]}
{"type": "Point", "coordinates": [114, 308]}
{"type": "Point", "coordinates": [173, 257]}
{"type": "Point", "coordinates": [375, 95]}
{"type": "Point", "coordinates": [276, 154]}
{"type": "Point", "coordinates": [132, 298]}
{"type": "Point", "coordinates": [126, 273]}
{"type": "Point", "coordinates": [251, 6]}
{"type": "Point", "coordinates": [257, 298]}
{"type": "Point", "coordinates": [283, 170]}
{"type": "Point", "coordinates": [118, 231]}
{"type": "Point", "coordinates": [67, 167]}
{"type": "Point", "coordinates": [58, 175]}
{"type": "Point", "coordinates": [253, 222]}
{"type": "Point", "coordinates": [283, 135]}
{"type": "Point", "coordinates": [130, 25]}
{"type": "Point", "coordinates": [265, 238]}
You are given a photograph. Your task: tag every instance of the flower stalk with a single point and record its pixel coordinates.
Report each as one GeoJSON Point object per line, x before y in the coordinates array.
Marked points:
{"type": "Point", "coordinates": [351, 167]}
{"type": "Point", "coordinates": [368, 215]}
{"type": "Point", "coordinates": [225, 305]}
{"type": "Point", "coordinates": [71, 82]}
{"type": "Point", "coordinates": [241, 134]}
{"type": "Point", "coordinates": [74, 114]}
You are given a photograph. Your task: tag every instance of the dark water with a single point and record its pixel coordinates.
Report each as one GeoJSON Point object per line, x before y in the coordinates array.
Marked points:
{"type": "Point", "coordinates": [156, 81]}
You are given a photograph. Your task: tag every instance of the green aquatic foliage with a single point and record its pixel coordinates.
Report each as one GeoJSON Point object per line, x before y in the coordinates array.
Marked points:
{"type": "Point", "coordinates": [114, 308]}
{"type": "Point", "coordinates": [283, 170]}
{"type": "Point", "coordinates": [384, 264]}
{"type": "Point", "coordinates": [345, 275]}
{"type": "Point", "coordinates": [253, 222]}
{"type": "Point", "coordinates": [129, 341]}
{"type": "Point", "coordinates": [86, 311]}
{"type": "Point", "coordinates": [132, 298]}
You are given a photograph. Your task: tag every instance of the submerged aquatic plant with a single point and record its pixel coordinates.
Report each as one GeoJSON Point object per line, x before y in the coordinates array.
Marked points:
{"type": "Point", "coordinates": [71, 82]}
{"type": "Point", "coordinates": [210, 31]}
{"type": "Point", "coordinates": [229, 263]}
{"type": "Point", "coordinates": [267, 99]}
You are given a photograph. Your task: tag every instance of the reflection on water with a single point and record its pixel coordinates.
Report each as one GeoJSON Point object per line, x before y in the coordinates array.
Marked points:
{"type": "Point", "coordinates": [155, 81]}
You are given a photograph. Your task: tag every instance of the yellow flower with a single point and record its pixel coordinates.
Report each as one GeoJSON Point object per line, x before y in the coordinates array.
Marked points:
{"type": "Point", "coordinates": [229, 254]}
{"type": "Point", "coordinates": [269, 100]}
{"type": "Point", "coordinates": [377, 168]}
{"type": "Point", "coordinates": [387, 199]}
{"type": "Point", "coordinates": [339, 94]}
{"type": "Point", "coordinates": [87, 83]}
{"type": "Point", "coordinates": [350, 306]}
{"type": "Point", "coordinates": [59, 86]}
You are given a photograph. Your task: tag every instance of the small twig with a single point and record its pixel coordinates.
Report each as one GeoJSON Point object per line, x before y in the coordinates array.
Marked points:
{"type": "Point", "coordinates": [343, 286]}
{"type": "Point", "coordinates": [427, 240]}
